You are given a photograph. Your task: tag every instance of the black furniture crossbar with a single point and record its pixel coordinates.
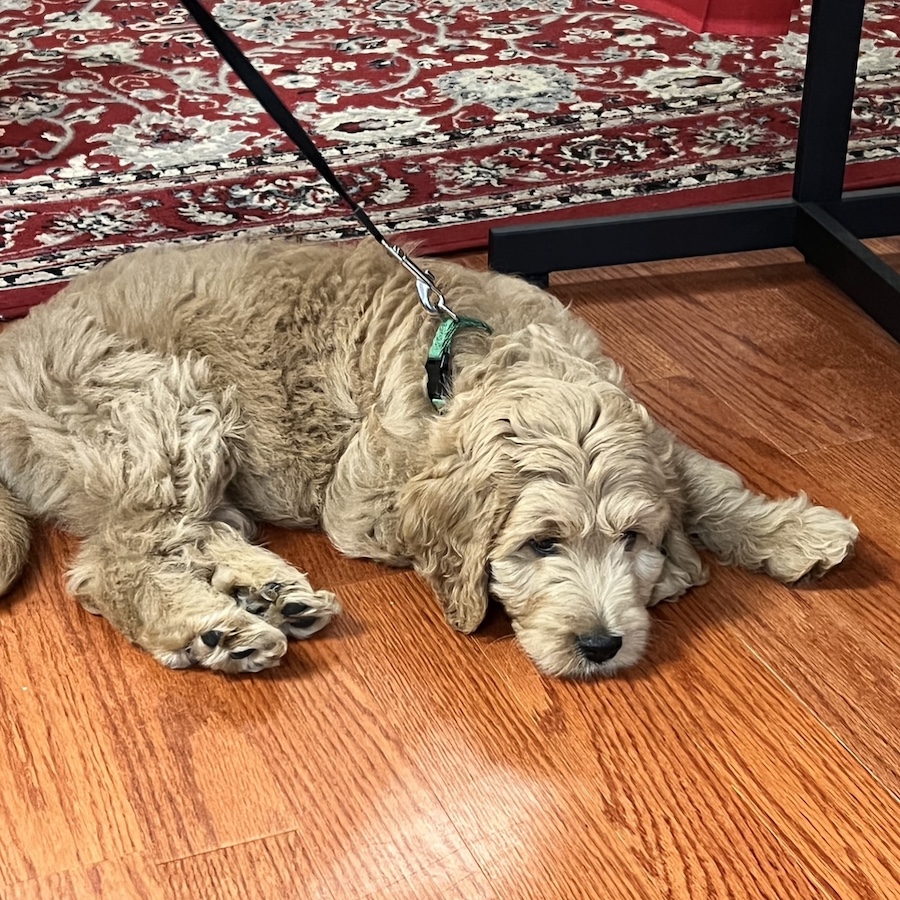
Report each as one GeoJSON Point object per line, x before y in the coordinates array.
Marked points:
{"type": "Point", "coordinates": [825, 224]}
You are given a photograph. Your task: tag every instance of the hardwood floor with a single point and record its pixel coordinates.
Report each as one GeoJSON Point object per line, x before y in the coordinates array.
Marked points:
{"type": "Point", "coordinates": [754, 753]}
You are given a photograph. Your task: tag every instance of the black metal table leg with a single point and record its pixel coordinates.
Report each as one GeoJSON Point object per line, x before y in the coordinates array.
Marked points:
{"type": "Point", "coordinates": [836, 252]}
{"type": "Point", "coordinates": [829, 85]}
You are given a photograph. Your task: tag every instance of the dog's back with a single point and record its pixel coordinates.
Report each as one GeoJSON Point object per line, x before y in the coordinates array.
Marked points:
{"type": "Point", "coordinates": [242, 326]}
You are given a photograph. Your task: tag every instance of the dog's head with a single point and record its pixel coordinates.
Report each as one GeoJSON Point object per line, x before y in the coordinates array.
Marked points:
{"type": "Point", "coordinates": [549, 496]}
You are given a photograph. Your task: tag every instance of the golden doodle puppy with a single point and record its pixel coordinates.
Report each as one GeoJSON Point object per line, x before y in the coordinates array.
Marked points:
{"type": "Point", "coordinates": [161, 405]}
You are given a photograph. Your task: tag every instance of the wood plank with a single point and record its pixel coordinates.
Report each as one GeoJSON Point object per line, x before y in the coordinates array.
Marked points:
{"type": "Point", "coordinates": [455, 878]}
{"type": "Point", "coordinates": [48, 725]}
{"type": "Point", "coordinates": [594, 778]}
{"type": "Point", "coordinates": [846, 362]}
{"type": "Point", "coordinates": [737, 332]}
{"type": "Point", "coordinates": [719, 429]}
{"type": "Point", "coordinates": [748, 735]}
{"type": "Point", "coordinates": [752, 754]}
{"type": "Point", "coordinates": [623, 332]}
{"type": "Point", "coordinates": [832, 643]}
{"type": "Point", "coordinates": [293, 865]}
{"type": "Point", "coordinates": [275, 866]}
{"type": "Point", "coordinates": [839, 653]}
{"type": "Point", "coordinates": [799, 780]}
{"type": "Point", "coordinates": [130, 878]}
{"type": "Point", "coordinates": [311, 552]}
{"type": "Point", "coordinates": [179, 763]}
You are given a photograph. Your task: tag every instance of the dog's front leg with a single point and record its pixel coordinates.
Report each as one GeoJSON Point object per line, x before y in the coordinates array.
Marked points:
{"type": "Point", "coordinates": [682, 569]}
{"type": "Point", "coordinates": [789, 539]}
{"type": "Point", "coordinates": [198, 594]}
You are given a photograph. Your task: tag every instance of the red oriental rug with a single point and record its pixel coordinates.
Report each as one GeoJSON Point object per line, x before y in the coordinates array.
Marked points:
{"type": "Point", "coordinates": [120, 126]}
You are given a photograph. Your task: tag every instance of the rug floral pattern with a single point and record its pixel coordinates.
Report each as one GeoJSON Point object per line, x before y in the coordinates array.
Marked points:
{"type": "Point", "coordinates": [120, 126]}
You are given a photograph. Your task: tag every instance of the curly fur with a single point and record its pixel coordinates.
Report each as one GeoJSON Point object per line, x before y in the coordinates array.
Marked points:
{"type": "Point", "coordinates": [161, 405]}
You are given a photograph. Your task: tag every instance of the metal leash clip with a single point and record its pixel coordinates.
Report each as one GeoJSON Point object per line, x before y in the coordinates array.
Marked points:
{"type": "Point", "coordinates": [430, 295]}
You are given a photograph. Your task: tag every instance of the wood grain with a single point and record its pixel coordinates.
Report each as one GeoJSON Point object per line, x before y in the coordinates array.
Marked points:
{"type": "Point", "coordinates": [753, 753]}
{"type": "Point", "coordinates": [277, 866]}
{"type": "Point", "coordinates": [852, 676]}
{"type": "Point", "coordinates": [129, 878]}
{"type": "Point", "coordinates": [737, 331]}
{"type": "Point", "coordinates": [622, 768]}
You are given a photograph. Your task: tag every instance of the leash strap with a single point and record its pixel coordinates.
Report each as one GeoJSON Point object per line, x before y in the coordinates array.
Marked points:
{"type": "Point", "coordinates": [437, 366]}
{"type": "Point", "coordinates": [430, 295]}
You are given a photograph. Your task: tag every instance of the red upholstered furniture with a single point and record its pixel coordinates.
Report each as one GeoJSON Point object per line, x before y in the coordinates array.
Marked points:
{"type": "Point", "coordinates": [751, 17]}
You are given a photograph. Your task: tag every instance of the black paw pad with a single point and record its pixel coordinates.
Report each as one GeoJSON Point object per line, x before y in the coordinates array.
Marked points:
{"type": "Point", "coordinates": [242, 654]}
{"type": "Point", "coordinates": [305, 622]}
{"type": "Point", "coordinates": [211, 638]}
{"type": "Point", "coordinates": [294, 609]}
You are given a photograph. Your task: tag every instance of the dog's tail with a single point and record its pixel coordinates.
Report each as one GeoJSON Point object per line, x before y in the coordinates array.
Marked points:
{"type": "Point", "coordinates": [15, 538]}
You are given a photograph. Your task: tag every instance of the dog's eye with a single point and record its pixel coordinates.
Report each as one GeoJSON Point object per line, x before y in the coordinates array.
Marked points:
{"type": "Point", "coordinates": [628, 538]}
{"type": "Point", "coordinates": [544, 546]}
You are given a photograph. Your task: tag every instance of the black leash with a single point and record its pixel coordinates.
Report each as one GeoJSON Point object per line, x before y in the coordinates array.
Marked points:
{"type": "Point", "coordinates": [429, 295]}
{"type": "Point", "coordinates": [438, 365]}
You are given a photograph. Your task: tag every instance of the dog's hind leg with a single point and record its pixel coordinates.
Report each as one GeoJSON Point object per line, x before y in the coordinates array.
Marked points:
{"type": "Point", "coordinates": [15, 538]}
{"type": "Point", "coordinates": [788, 539]}
{"type": "Point", "coordinates": [134, 451]}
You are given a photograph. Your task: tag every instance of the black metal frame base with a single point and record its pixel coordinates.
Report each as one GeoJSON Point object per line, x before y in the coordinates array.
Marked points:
{"type": "Point", "coordinates": [821, 221]}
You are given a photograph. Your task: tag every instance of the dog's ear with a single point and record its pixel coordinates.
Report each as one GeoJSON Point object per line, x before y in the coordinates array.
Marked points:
{"type": "Point", "coordinates": [449, 516]}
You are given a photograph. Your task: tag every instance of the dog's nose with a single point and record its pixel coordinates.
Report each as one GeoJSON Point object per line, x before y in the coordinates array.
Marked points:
{"type": "Point", "coordinates": [599, 647]}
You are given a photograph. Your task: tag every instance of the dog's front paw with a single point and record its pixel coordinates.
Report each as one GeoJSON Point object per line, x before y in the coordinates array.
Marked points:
{"type": "Point", "coordinates": [233, 642]}
{"type": "Point", "coordinates": [265, 585]}
{"type": "Point", "coordinates": [808, 545]}
{"type": "Point", "coordinates": [292, 607]}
